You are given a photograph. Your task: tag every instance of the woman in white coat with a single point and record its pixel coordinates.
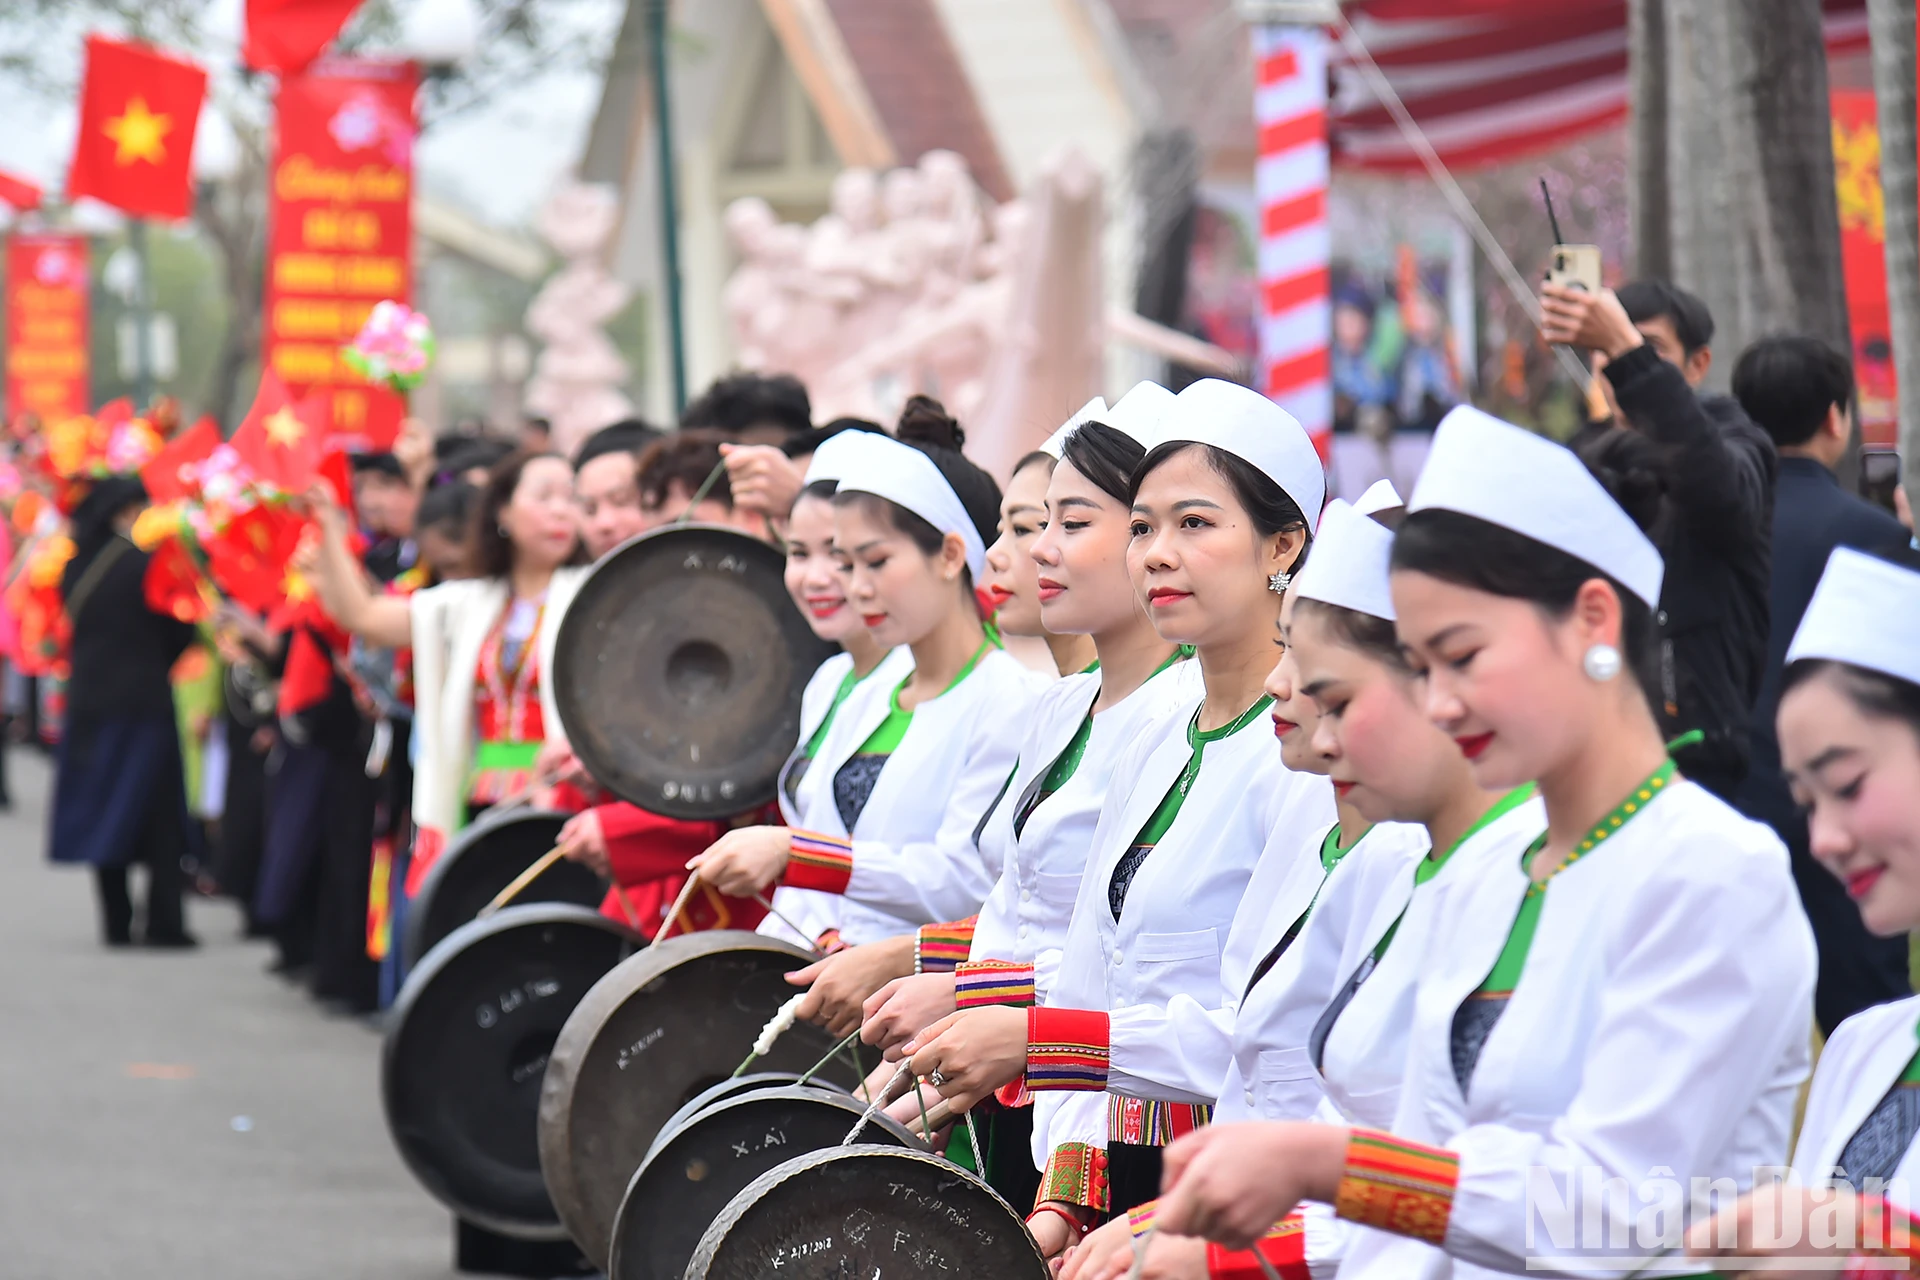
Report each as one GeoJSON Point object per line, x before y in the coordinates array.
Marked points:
{"type": "Point", "coordinates": [1645, 1017]}
{"type": "Point", "coordinates": [1324, 1033]}
{"type": "Point", "coordinates": [1850, 739]}
{"type": "Point", "coordinates": [482, 646]}
{"type": "Point", "coordinates": [816, 581]}
{"type": "Point", "coordinates": [913, 772]}
{"type": "Point", "coordinates": [1222, 515]}
{"type": "Point", "coordinates": [1041, 830]}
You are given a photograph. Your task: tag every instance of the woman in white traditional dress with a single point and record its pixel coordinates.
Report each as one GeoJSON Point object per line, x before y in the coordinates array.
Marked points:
{"type": "Point", "coordinates": [816, 581]}
{"type": "Point", "coordinates": [1040, 832]}
{"type": "Point", "coordinates": [1645, 1016]}
{"type": "Point", "coordinates": [915, 771]}
{"type": "Point", "coordinates": [1850, 740]}
{"type": "Point", "coordinates": [1323, 1033]}
{"type": "Point", "coordinates": [1223, 511]}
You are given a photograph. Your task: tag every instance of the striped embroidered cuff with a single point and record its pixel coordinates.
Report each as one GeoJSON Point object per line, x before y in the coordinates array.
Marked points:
{"type": "Point", "coordinates": [1398, 1186]}
{"type": "Point", "coordinates": [937, 948]}
{"type": "Point", "coordinates": [819, 862]}
{"type": "Point", "coordinates": [984, 982]}
{"type": "Point", "coordinates": [1076, 1173]}
{"type": "Point", "coordinates": [1140, 1217]}
{"type": "Point", "coordinates": [1066, 1049]}
{"type": "Point", "coordinates": [1285, 1247]}
{"type": "Point", "coordinates": [1142, 1122]}
{"type": "Point", "coordinates": [1885, 1232]}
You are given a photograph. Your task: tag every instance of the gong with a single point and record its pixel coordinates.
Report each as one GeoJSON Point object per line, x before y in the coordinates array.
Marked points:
{"type": "Point", "coordinates": [678, 671]}
{"type": "Point", "coordinates": [868, 1211]}
{"type": "Point", "coordinates": [668, 1024]}
{"type": "Point", "coordinates": [696, 1169]}
{"type": "Point", "coordinates": [732, 1087]}
{"type": "Point", "coordinates": [481, 861]}
{"type": "Point", "coordinates": [466, 1047]}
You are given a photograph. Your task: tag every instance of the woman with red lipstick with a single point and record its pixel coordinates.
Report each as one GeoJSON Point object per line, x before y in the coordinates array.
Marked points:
{"type": "Point", "coordinates": [1222, 512]}
{"type": "Point", "coordinates": [480, 645]}
{"type": "Point", "coordinates": [1850, 739]}
{"type": "Point", "coordinates": [1284, 951]}
{"type": "Point", "coordinates": [914, 772]}
{"type": "Point", "coordinates": [1012, 581]}
{"type": "Point", "coordinates": [818, 586]}
{"type": "Point", "coordinates": [1643, 1014]}
{"type": "Point", "coordinates": [1040, 832]}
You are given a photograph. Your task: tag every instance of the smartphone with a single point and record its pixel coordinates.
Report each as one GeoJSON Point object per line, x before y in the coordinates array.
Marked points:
{"type": "Point", "coordinates": [1576, 266]}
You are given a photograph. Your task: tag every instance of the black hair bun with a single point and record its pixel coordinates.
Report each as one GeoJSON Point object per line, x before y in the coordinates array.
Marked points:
{"type": "Point", "coordinates": [1636, 473]}
{"type": "Point", "coordinates": [926, 421]}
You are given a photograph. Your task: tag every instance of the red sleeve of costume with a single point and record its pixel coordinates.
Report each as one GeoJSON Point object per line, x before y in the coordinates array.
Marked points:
{"type": "Point", "coordinates": [644, 846]}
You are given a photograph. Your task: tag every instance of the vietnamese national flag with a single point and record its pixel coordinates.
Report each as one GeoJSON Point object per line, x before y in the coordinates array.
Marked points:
{"type": "Point", "coordinates": [286, 35]}
{"type": "Point", "coordinates": [172, 585]}
{"type": "Point", "coordinates": [280, 445]}
{"type": "Point", "coordinates": [248, 558]}
{"type": "Point", "coordinates": [138, 111]}
{"type": "Point", "coordinates": [162, 475]}
{"type": "Point", "coordinates": [23, 195]}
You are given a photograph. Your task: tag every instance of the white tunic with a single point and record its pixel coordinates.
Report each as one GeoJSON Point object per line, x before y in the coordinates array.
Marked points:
{"type": "Point", "coordinates": [809, 908]}
{"type": "Point", "coordinates": [1158, 970]}
{"type": "Point", "coordinates": [1866, 1056]}
{"type": "Point", "coordinates": [1025, 918]}
{"type": "Point", "coordinates": [1658, 1030]}
{"type": "Point", "coordinates": [1268, 1073]}
{"type": "Point", "coordinates": [914, 857]}
{"type": "Point", "coordinates": [1363, 1057]}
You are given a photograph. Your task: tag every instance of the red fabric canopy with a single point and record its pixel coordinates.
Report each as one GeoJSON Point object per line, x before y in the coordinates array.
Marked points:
{"type": "Point", "coordinates": [1492, 80]}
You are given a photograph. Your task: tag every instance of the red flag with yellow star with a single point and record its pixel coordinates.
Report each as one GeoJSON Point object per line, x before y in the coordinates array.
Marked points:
{"type": "Point", "coordinates": [248, 558]}
{"type": "Point", "coordinates": [138, 111]}
{"type": "Point", "coordinates": [277, 442]}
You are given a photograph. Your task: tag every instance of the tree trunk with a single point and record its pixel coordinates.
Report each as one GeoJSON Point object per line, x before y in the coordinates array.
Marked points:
{"type": "Point", "coordinates": [1892, 26]}
{"type": "Point", "coordinates": [1756, 232]}
{"type": "Point", "coordinates": [1650, 211]}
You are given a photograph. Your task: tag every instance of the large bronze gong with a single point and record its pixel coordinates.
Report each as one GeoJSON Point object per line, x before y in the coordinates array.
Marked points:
{"type": "Point", "coordinates": [671, 1022]}
{"type": "Point", "coordinates": [731, 1087]}
{"type": "Point", "coordinates": [679, 668]}
{"type": "Point", "coordinates": [480, 862]}
{"type": "Point", "coordinates": [867, 1211]}
{"type": "Point", "coordinates": [467, 1046]}
{"type": "Point", "coordinates": [696, 1169]}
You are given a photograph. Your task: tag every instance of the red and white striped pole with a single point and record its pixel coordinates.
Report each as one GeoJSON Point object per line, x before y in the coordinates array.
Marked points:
{"type": "Point", "coordinates": [1290, 48]}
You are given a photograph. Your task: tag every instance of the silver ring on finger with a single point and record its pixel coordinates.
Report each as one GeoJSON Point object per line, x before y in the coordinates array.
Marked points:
{"type": "Point", "coordinates": [937, 1078]}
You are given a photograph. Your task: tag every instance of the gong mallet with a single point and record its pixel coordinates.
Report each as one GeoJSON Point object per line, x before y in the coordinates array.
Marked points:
{"type": "Point", "coordinates": [525, 878]}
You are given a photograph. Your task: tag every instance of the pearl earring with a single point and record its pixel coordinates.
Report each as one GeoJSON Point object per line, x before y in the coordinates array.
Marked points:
{"type": "Point", "coordinates": [1602, 663]}
{"type": "Point", "coordinates": [1277, 583]}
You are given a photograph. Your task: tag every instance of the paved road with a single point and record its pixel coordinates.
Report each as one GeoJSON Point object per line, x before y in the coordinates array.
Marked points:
{"type": "Point", "coordinates": [181, 1116]}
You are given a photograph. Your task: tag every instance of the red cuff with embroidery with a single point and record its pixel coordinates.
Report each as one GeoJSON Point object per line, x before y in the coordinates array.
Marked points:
{"type": "Point", "coordinates": [1067, 1049]}
{"type": "Point", "coordinates": [1398, 1186]}
{"type": "Point", "coordinates": [983, 982]}
{"type": "Point", "coordinates": [819, 862]}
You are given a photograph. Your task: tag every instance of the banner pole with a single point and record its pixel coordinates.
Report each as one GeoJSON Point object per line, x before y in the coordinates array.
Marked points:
{"type": "Point", "coordinates": [142, 318]}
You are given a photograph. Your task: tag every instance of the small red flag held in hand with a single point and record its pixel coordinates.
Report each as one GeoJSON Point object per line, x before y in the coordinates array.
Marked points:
{"type": "Point", "coordinates": [276, 441]}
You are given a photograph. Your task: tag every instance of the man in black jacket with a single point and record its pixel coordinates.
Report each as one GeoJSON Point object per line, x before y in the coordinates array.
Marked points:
{"type": "Point", "coordinates": [1800, 390]}
{"type": "Point", "coordinates": [1650, 345]}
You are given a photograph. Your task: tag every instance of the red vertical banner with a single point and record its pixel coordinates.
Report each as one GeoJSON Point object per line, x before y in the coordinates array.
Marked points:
{"type": "Point", "coordinates": [341, 236]}
{"type": "Point", "coordinates": [1863, 260]}
{"type": "Point", "coordinates": [47, 325]}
